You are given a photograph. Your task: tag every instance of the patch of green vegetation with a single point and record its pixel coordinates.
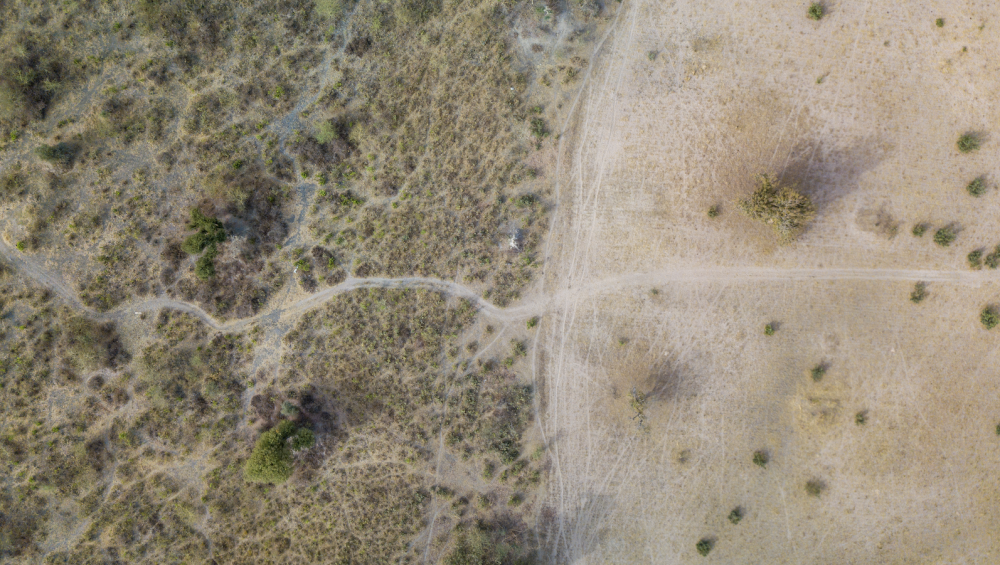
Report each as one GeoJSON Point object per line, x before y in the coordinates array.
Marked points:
{"type": "Point", "coordinates": [704, 546]}
{"type": "Point", "coordinates": [768, 329]}
{"type": "Point", "coordinates": [782, 208]}
{"type": "Point", "coordinates": [736, 515]}
{"type": "Point", "coordinates": [919, 229]}
{"type": "Point", "coordinates": [816, 11]}
{"type": "Point", "coordinates": [815, 487]}
{"type": "Point", "coordinates": [975, 258]}
{"type": "Point", "coordinates": [532, 322]}
{"type": "Point", "coordinates": [977, 187]}
{"type": "Point", "coordinates": [817, 372]}
{"type": "Point", "coordinates": [939, 22]}
{"type": "Point", "coordinates": [919, 292]}
{"type": "Point", "coordinates": [945, 236]}
{"type": "Point", "coordinates": [861, 418]}
{"type": "Point", "coordinates": [714, 211]}
{"type": "Point", "coordinates": [989, 317]}
{"type": "Point", "coordinates": [271, 459]}
{"type": "Point", "coordinates": [969, 142]}
{"type": "Point", "coordinates": [208, 232]}
{"type": "Point", "coordinates": [760, 458]}
{"type": "Point", "coordinates": [59, 154]}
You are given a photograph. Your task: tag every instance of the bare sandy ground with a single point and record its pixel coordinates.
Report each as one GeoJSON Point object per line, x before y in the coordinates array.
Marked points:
{"type": "Point", "coordinates": [863, 110]}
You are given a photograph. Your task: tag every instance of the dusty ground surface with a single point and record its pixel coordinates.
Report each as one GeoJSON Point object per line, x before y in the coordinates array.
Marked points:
{"type": "Point", "coordinates": [685, 102]}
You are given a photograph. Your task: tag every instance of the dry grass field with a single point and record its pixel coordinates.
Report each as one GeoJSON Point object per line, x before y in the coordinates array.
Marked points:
{"type": "Point", "coordinates": [473, 282]}
{"type": "Point", "coordinates": [657, 382]}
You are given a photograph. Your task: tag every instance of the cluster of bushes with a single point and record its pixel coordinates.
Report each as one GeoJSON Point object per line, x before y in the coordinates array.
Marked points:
{"type": "Point", "coordinates": [209, 233]}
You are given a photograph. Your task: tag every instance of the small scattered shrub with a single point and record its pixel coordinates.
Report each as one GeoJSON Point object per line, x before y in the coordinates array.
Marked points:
{"type": "Point", "coordinates": [993, 259]}
{"type": "Point", "coordinates": [533, 322]}
{"type": "Point", "coordinates": [704, 546]}
{"type": "Point", "coordinates": [817, 372]}
{"type": "Point", "coordinates": [944, 236]}
{"type": "Point", "coordinates": [860, 418]}
{"type": "Point", "coordinates": [713, 212]}
{"type": "Point", "coordinates": [977, 187]}
{"type": "Point", "coordinates": [769, 329]}
{"type": "Point", "coordinates": [780, 207]}
{"type": "Point", "coordinates": [736, 515]}
{"type": "Point", "coordinates": [989, 317]}
{"type": "Point", "coordinates": [816, 11]}
{"type": "Point", "coordinates": [919, 230]}
{"type": "Point", "coordinates": [975, 259]}
{"type": "Point", "coordinates": [760, 458]}
{"type": "Point", "coordinates": [538, 128]}
{"type": "Point", "coordinates": [968, 142]}
{"type": "Point", "coordinates": [939, 22]}
{"type": "Point", "coordinates": [998, 429]}
{"type": "Point", "coordinates": [919, 293]}
{"type": "Point", "coordinates": [209, 231]}
{"type": "Point", "coordinates": [204, 267]}
{"type": "Point", "coordinates": [814, 487]}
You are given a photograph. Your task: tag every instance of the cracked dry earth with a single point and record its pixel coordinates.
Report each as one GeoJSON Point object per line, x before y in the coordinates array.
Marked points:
{"type": "Point", "coordinates": [686, 102]}
{"type": "Point", "coordinates": [656, 383]}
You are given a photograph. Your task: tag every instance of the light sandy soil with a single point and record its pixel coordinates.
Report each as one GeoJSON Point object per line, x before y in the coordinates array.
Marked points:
{"type": "Point", "coordinates": [651, 144]}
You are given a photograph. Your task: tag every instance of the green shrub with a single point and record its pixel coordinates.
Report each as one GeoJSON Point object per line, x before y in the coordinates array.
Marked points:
{"type": "Point", "coordinates": [939, 22]}
{"type": "Point", "coordinates": [736, 515]}
{"type": "Point", "coordinates": [976, 259]}
{"type": "Point", "coordinates": [817, 372]}
{"type": "Point", "coordinates": [993, 259]}
{"type": "Point", "coordinates": [977, 187]}
{"type": "Point", "coordinates": [58, 154]}
{"type": "Point", "coordinates": [209, 231]}
{"type": "Point", "coordinates": [533, 322]}
{"type": "Point", "coordinates": [768, 329]}
{"type": "Point", "coordinates": [271, 459]}
{"type": "Point", "coordinates": [814, 487]}
{"type": "Point", "coordinates": [919, 230]}
{"type": "Point", "coordinates": [968, 142]}
{"type": "Point", "coordinates": [760, 458]}
{"type": "Point", "coordinates": [704, 546]}
{"type": "Point", "coordinates": [860, 418]}
{"type": "Point", "coordinates": [204, 267]}
{"type": "Point", "coordinates": [816, 11]}
{"type": "Point", "coordinates": [998, 429]}
{"type": "Point", "coordinates": [944, 236]}
{"type": "Point", "coordinates": [919, 293]}
{"type": "Point", "coordinates": [303, 439]}
{"type": "Point", "coordinates": [989, 317]}
{"type": "Point", "coordinates": [713, 212]}
{"type": "Point", "coordinates": [782, 208]}
{"type": "Point", "coordinates": [289, 410]}
{"type": "Point", "coordinates": [538, 128]}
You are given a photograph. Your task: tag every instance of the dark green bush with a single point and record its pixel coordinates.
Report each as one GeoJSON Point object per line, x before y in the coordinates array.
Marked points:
{"type": "Point", "coordinates": [736, 515]}
{"type": "Point", "coordinates": [919, 292]}
{"type": "Point", "coordinates": [989, 317]}
{"type": "Point", "coordinates": [993, 259]}
{"type": "Point", "coordinates": [204, 267]}
{"type": "Point", "coordinates": [975, 259]}
{"type": "Point", "coordinates": [704, 546]}
{"type": "Point", "coordinates": [713, 212]}
{"type": "Point", "coordinates": [782, 208]}
{"type": "Point", "coordinates": [817, 372]}
{"type": "Point", "coordinates": [816, 11]}
{"type": "Point", "coordinates": [968, 142]}
{"type": "Point", "coordinates": [977, 187]}
{"type": "Point", "coordinates": [919, 230]}
{"type": "Point", "coordinates": [939, 22]}
{"type": "Point", "coordinates": [209, 231]}
{"type": "Point", "coordinates": [271, 459]}
{"type": "Point", "coordinates": [815, 487]}
{"type": "Point", "coordinates": [538, 128]}
{"type": "Point", "coordinates": [58, 154]}
{"type": "Point", "coordinates": [760, 458]}
{"type": "Point", "coordinates": [860, 418]}
{"type": "Point", "coordinates": [768, 329]}
{"type": "Point", "coordinates": [303, 439]}
{"type": "Point", "coordinates": [945, 236]}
